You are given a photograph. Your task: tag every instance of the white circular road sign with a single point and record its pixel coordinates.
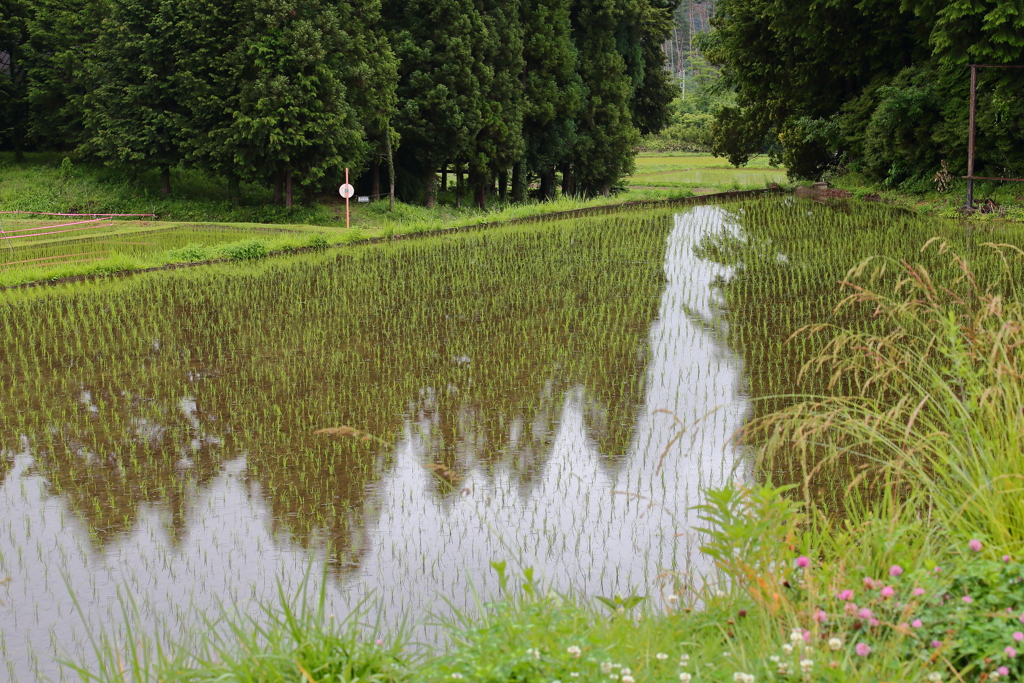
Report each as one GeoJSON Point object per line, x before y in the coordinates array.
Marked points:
{"type": "Point", "coordinates": [346, 191]}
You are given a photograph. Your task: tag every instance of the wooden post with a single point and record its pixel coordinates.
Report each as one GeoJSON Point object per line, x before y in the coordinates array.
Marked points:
{"type": "Point", "coordinates": [970, 138]}
{"type": "Point", "coordinates": [346, 202]}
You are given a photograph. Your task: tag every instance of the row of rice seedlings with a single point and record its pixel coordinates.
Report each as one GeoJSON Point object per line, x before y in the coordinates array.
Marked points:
{"type": "Point", "coordinates": [790, 259]}
{"type": "Point", "coordinates": [136, 392]}
{"type": "Point", "coordinates": [42, 252]}
{"type": "Point", "coordinates": [275, 351]}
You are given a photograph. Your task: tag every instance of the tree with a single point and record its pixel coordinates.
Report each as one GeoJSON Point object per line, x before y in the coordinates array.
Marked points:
{"type": "Point", "coordinates": [267, 97]}
{"type": "Point", "coordinates": [443, 77]}
{"type": "Point", "coordinates": [58, 57]}
{"type": "Point", "coordinates": [552, 91]}
{"type": "Point", "coordinates": [605, 132]}
{"type": "Point", "coordinates": [13, 91]}
{"type": "Point", "coordinates": [133, 114]}
{"type": "Point", "coordinates": [499, 142]}
{"type": "Point", "coordinates": [654, 91]}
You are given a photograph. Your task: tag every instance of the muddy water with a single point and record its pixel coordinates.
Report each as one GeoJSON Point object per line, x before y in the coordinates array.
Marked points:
{"type": "Point", "coordinates": [566, 475]}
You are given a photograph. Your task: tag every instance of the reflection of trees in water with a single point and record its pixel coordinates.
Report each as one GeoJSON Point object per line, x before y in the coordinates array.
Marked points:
{"type": "Point", "coordinates": [150, 384]}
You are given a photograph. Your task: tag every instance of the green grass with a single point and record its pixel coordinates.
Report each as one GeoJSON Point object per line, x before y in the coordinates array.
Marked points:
{"type": "Point", "coordinates": [667, 171]}
{"type": "Point", "coordinates": [199, 213]}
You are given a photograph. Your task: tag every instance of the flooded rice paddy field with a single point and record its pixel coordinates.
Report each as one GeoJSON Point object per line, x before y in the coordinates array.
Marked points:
{"type": "Point", "coordinates": [62, 245]}
{"type": "Point", "coordinates": [486, 396]}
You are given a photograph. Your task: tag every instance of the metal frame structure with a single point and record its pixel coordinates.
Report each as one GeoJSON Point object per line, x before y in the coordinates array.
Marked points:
{"type": "Point", "coordinates": [970, 135]}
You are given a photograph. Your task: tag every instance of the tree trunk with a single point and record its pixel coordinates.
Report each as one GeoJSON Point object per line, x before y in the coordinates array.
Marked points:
{"type": "Point", "coordinates": [517, 182]}
{"type": "Point", "coordinates": [375, 178]}
{"type": "Point", "coordinates": [165, 180]}
{"type": "Point", "coordinates": [431, 187]}
{"type": "Point", "coordinates": [444, 177]}
{"type": "Point", "coordinates": [481, 194]}
{"type": "Point", "coordinates": [547, 183]}
{"type": "Point", "coordinates": [391, 168]}
{"type": "Point", "coordinates": [607, 190]}
{"type": "Point", "coordinates": [233, 191]}
{"type": "Point", "coordinates": [503, 183]}
{"type": "Point", "coordinates": [278, 185]}
{"type": "Point", "coordinates": [458, 186]}
{"type": "Point", "coordinates": [288, 188]}
{"type": "Point", "coordinates": [567, 181]}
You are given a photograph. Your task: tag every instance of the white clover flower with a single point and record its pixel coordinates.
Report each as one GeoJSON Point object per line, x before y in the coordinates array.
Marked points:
{"type": "Point", "coordinates": [774, 659]}
{"type": "Point", "coordinates": [748, 678]}
{"type": "Point", "coordinates": [534, 652]}
{"type": "Point", "coordinates": [627, 679]}
{"type": "Point", "coordinates": [935, 677]}
{"type": "Point", "coordinates": [834, 643]}
{"type": "Point", "coordinates": [574, 674]}
{"type": "Point", "coordinates": [738, 677]}
{"type": "Point", "coordinates": [456, 675]}
{"type": "Point", "coordinates": [661, 655]}
{"type": "Point", "coordinates": [806, 664]}
{"type": "Point", "coordinates": [613, 677]}
{"type": "Point", "coordinates": [796, 636]}
{"type": "Point", "coordinates": [673, 599]}
{"type": "Point", "coordinates": [719, 594]}
{"type": "Point", "coordinates": [685, 677]}
{"type": "Point", "coordinates": [606, 668]}
{"type": "Point", "coordinates": [994, 676]}
{"type": "Point", "coordinates": [626, 672]}
{"type": "Point", "coordinates": [574, 650]}
{"type": "Point", "coordinates": [684, 660]}
{"type": "Point", "coordinates": [727, 654]}
{"type": "Point", "coordinates": [787, 649]}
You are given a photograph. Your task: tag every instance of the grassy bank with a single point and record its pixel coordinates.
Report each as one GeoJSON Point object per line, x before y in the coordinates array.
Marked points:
{"type": "Point", "coordinates": [948, 201]}
{"type": "Point", "coordinates": [251, 227]}
{"type": "Point", "coordinates": [919, 580]}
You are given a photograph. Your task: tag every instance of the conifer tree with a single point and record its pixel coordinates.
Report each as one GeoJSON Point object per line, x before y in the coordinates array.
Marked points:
{"type": "Point", "coordinates": [605, 133]}
{"type": "Point", "coordinates": [268, 97]}
{"type": "Point", "coordinates": [552, 91]}
{"type": "Point", "coordinates": [58, 57]}
{"type": "Point", "coordinates": [133, 114]}
{"type": "Point", "coordinates": [654, 91]}
{"type": "Point", "coordinates": [13, 95]}
{"type": "Point", "coordinates": [443, 76]}
{"type": "Point", "coordinates": [499, 144]}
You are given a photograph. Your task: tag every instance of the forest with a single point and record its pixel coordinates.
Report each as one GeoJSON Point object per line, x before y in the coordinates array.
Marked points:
{"type": "Point", "coordinates": [877, 87]}
{"type": "Point", "coordinates": [289, 93]}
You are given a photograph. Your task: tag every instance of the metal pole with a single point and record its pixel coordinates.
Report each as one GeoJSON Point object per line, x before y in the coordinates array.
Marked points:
{"type": "Point", "coordinates": [346, 201]}
{"type": "Point", "coordinates": [970, 138]}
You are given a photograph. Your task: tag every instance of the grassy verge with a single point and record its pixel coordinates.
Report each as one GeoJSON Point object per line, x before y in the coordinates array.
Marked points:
{"type": "Point", "coordinates": [926, 199]}
{"type": "Point", "coordinates": [920, 580]}
{"type": "Point", "coordinates": [41, 184]}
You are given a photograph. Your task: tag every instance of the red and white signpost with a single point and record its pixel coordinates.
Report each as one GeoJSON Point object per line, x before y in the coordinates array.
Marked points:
{"type": "Point", "coordinates": [346, 191]}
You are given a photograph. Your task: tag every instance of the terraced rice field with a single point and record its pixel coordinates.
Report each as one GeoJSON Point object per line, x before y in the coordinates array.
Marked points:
{"type": "Point", "coordinates": [701, 172]}
{"type": "Point", "coordinates": [403, 414]}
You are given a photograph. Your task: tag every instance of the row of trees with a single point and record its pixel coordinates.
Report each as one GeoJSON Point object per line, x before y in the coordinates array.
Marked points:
{"type": "Point", "coordinates": [290, 92]}
{"type": "Point", "coordinates": [877, 86]}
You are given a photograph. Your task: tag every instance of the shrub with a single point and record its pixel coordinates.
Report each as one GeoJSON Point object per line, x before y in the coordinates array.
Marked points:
{"type": "Point", "coordinates": [245, 251]}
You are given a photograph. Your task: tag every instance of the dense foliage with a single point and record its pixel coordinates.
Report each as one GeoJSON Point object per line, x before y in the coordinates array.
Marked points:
{"type": "Point", "coordinates": [880, 87]}
{"type": "Point", "coordinates": [288, 93]}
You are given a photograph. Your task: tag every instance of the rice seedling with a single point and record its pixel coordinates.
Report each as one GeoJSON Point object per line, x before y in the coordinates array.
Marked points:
{"type": "Point", "coordinates": [193, 436]}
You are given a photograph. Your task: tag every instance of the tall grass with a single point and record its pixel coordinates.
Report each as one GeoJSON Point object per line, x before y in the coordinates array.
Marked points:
{"type": "Point", "coordinates": [935, 408]}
